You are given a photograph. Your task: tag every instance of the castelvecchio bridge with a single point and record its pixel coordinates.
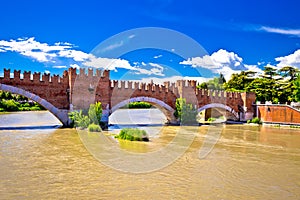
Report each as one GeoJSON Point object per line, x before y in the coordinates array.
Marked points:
{"type": "Point", "coordinates": [73, 91]}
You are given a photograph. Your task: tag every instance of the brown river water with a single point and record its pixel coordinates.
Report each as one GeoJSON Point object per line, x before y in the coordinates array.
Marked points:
{"type": "Point", "coordinates": [247, 162]}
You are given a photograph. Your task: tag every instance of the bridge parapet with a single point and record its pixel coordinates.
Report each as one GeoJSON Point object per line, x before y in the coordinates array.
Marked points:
{"type": "Point", "coordinates": [28, 77]}
{"type": "Point", "coordinates": [89, 73]}
{"type": "Point", "coordinates": [52, 88]}
{"type": "Point", "coordinates": [129, 85]}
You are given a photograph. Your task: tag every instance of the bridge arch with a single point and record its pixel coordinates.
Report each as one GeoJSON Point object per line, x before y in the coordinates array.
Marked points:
{"type": "Point", "coordinates": [167, 110]}
{"type": "Point", "coordinates": [219, 105]}
{"type": "Point", "coordinates": [61, 115]}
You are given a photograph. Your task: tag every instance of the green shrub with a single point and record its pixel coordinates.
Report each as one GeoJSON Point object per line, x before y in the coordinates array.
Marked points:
{"type": "Point", "coordinates": [139, 105]}
{"type": "Point", "coordinates": [133, 134]}
{"type": "Point", "coordinates": [211, 119]}
{"type": "Point", "coordinates": [10, 105]}
{"type": "Point", "coordinates": [95, 113]}
{"type": "Point", "coordinates": [255, 120]}
{"type": "Point", "coordinates": [79, 119]}
{"type": "Point", "coordinates": [94, 128]}
{"type": "Point", "coordinates": [25, 104]}
{"type": "Point", "coordinates": [294, 126]}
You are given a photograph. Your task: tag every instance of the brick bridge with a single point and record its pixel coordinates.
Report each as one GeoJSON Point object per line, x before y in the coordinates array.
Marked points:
{"type": "Point", "coordinates": [60, 94]}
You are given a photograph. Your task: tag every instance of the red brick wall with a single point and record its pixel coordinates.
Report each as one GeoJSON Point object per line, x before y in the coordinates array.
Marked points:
{"type": "Point", "coordinates": [278, 114]}
{"type": "Point", "coordinates": [51, 88]}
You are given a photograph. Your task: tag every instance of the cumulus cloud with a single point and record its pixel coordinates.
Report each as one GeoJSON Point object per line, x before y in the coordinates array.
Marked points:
{"type": "Point", "coordinates": [74, 54]}
{"type": "Point", "coordinates": [107, 63]}
{"type": "Point", "coordinates": [289, 60]}
{"type": "Point", "coordinates": [114, 63]}
{"type": "Point", "coordinates": [221, 61]}
{"type": "Point", "coordinates": [42, 52]}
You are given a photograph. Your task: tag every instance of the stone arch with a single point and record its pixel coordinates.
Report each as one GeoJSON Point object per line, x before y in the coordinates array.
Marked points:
{"type": "Point", "coordinates": [61, 115]}
{"type": "Point", "coordinates": [162, 106]}
{"type": "Point", "coordinates": [219, 105]}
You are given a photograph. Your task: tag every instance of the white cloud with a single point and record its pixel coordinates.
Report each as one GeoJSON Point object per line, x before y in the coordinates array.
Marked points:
{"type": "Point", "coordinates": [131, 36]}
{"type": "Point", "coordinates": [289, 60]}
{"type": "Point", "coordinates": [60, 67]}
{"type": "Point", "coordinates": [113, 64]}
{"type": "Point", "coordinates": [156, 66]}
{"type": "Point", "coordinates": [221, 61]}
{"type": "Point", "coordinates": [74, 54]}
{"type": "Point", "coordinates": [41, 52]}
{"type": "Point", "coordinates": [47, 71]}
{"type": "Point", "coordinates": [155, 69]}
{"type": "Point", "coordinates": [254, 68]}
{"type": "Point", "coordinates": [113, 46]}
{"type": "Point", "coordinates": [205, 62]}
{"type": "Point", "coordinates": [284, 31]}
{"type": "Point", "coordinates": [158, 56]}
{"type": "Point", "coordinates": [107, 63]}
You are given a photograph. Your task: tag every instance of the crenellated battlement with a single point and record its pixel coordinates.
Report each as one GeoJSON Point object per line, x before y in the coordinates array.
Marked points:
{"type": "Point", "coordinates": [28, 77]}
{"type": "Point", "coordinates": [90, 73]}
{"type": "Point", "coordinates": [216, 94]}
{"type": "Point", "coordinates": [149, 87]}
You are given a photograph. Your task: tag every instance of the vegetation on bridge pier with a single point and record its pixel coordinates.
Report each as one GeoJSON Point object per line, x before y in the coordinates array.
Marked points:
{"type": "Point", "coordinates": [90, 119]}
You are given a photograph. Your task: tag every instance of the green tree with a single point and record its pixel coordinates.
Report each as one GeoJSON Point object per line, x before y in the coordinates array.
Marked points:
{"type": "Point", "coordinates": [178, 107]}
{"type": "Point", "coordinates": [239, 82]}
{"type": "Point", "coordinates": [202, 86]}
{"type": "Point", "coordinates": [186, 113]}
{"type": "Point", "coordinates": [296, 91]}
{"type": "Point", "coordinates": [214, 84]}
{"type": "Point", "coordinates": [269, 72]}
{"type": "Point", "coordinates": [290, 72]}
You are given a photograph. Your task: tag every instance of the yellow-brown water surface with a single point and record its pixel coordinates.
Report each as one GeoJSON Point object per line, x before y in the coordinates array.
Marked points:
{"type": "Point", "coordinates": [248, 162]}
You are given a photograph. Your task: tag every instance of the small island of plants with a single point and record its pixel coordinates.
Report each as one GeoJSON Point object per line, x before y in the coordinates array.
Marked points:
{"type": "Point", "coordinates": [133, 134]}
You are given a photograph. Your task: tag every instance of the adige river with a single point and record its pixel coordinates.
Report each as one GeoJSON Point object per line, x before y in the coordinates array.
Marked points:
{"type": "Point", "coordinates": [38, 161]}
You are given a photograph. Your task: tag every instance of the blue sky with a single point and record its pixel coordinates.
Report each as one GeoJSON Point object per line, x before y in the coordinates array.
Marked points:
{"type": "Point", "coordinates": [51, 36]}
